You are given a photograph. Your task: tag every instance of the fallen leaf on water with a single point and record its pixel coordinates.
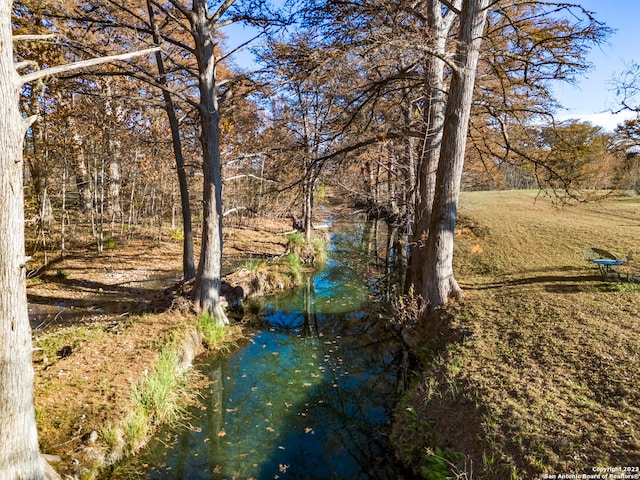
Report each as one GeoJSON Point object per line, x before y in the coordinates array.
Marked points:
{"type": "Point", "coordinates": [222, 433]}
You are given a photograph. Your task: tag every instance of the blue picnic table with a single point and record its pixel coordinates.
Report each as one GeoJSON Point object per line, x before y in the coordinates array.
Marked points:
{"type": "Point", "coordinates": [605, 264]}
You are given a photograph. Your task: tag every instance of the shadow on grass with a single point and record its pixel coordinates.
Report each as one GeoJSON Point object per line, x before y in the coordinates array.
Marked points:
{"type": "Point", "coordinates": [566, 279]}
{"type": "Point", "coordinates": [69, 300]}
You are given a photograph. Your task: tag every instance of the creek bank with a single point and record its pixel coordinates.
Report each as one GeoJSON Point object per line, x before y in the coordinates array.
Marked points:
{"type": "Point", "coordinates": [535, 371]}
{"type": "Point", "coordinates": [90, 358]}
{"type": "Point", "coordinates": [313, 390]}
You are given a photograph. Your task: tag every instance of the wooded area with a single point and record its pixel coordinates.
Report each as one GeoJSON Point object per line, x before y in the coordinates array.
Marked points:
{"type": "Point", "coordinates": [394, 105]}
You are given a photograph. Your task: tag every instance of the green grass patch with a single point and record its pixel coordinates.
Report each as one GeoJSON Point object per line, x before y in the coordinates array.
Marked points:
{"type": "Point", "coordinates": [111, 243]}
{"type": "Point", "coordinates": [542, 353]}
{"type": "Point", "coordinates": [177, 235]}
{"type": "Point", "coordinates": [158, 399]}
{"type": "Point", "coordinates": [445, 464]}
{"type": "Point", "coordinates": [623, 287]}
{"type": "Point", "coordinates": [62, 274]}
{"type": "Point", "coordinates": [214, 334]}
{"type": "Point", "coordinates": [293, 263]}
{"type": "Point", "coordinates": [295, 239]}
{"type": "Point", "coordinates": [321, 191]}
{"type": "Point", "coordinates": [52, 343]}
{"type": "Point", "coordinates": [320, 246]}
{"type": "Point", "coordinates": [253, 264]}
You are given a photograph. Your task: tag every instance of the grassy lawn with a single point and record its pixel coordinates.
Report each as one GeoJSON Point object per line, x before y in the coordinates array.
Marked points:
{"type": "Point", "coordinates": [536, 370]}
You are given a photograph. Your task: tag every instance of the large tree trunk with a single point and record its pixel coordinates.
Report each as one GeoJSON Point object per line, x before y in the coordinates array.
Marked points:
{"type": "Point", "coordinates": [79, 165]}
{"type": "Point", "coordinates": [113, 120]}
{"type": "Point", "coordinates": [434, 89]}
{"type": "Point", "coordinates": [439, 283]}
{"type": "Point", "coordinates": [206, 290]}
{"type": "Point", "coordinates": [188, 265]}
{"type": "Point", "coordinates": [114, 176]}
{"type": "Point", "coordinates": [40, 175]}
{"type": "Point", "coordinates": [308, 187]}
{"type": "Point", "coordinates": [19, 452]}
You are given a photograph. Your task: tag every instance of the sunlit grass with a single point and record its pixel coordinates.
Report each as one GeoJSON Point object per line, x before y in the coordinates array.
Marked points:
{"type": "Point", "coordinates": [215, 336]}
{"type": "Point", "coordinates": [158, 399]}
{"type": "Point", "coordinates": [253, 264]}
{"type": "Point", "coordinates": [50, 343]}
{"type": "Point", "coordinates": [541, 355]}
{"type": "Point", "coordinates": [320, 246]}
{"type": "Point", "coordinates": [295, 240]}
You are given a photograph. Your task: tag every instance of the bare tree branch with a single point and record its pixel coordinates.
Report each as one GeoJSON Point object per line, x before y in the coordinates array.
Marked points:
{"type": "Point", "coordinates": [248, 175]}
{"type": "Point", "coordinates": [83, 64]}
{"type": "Point", "coordinates": [29, 38]}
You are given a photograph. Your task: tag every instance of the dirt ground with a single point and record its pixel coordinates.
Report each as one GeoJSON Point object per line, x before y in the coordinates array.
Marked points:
{"type": "Point", "coordinates": [99, 322]}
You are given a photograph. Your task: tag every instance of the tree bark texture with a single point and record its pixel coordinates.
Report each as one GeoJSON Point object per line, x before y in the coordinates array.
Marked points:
{"type": "Point", "coordinates": [206, 290]}
{"type": "Point", "coordinates": [79, 164]}
{"type": "Point", "coordinates": [439, 281]}
{"type": "Point", "coordinates": [188, 264]}
{"type": "Point", "coordinates": [114, 177]}
{"type": "Point", "coordinates": [113, 120]}
{"type": "Point", "coordinates": [19, 451]}
{"type": "Point", "coordinates": [436, 101]}
{"type": "Point", "coordinates": [308, 187]}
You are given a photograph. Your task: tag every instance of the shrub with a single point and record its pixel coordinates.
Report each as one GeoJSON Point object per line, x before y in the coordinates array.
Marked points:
{"type": "Point", "coordinates": [213, 332]}
{"type": "Point", "coordinates": [176, 235]}
{"type": "Point", "coordinates": [320, 246]}
{"type": "Point", "coordinates": [111, 243]}
{"type": "Point", "coordinates": [253, 264]}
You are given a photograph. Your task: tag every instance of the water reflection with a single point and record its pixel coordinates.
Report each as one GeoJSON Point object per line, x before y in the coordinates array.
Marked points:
{"type": "Point", "coordinates": [309, 398]}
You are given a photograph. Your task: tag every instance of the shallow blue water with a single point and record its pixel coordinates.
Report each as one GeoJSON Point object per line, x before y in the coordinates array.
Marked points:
{"type": "Point", "coordinates": [309, 398]}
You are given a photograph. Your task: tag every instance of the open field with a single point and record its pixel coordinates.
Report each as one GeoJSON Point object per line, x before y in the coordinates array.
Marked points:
{"type": "Point", "coordinates": [536, 371]}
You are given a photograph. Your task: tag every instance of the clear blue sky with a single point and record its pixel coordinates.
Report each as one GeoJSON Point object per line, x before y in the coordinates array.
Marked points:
{"type": "Point", "coordinates": [595, 94]}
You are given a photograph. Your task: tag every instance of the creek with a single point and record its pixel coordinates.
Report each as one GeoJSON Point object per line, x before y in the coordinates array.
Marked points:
{"type": "Point", "coordinates": [310, 396]}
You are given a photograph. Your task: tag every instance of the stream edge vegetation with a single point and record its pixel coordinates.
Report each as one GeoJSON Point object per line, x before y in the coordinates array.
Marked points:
{"type": "Point", "coordinates": [533, 372]}
{"type": "Point", "coordinates": [161, 384]}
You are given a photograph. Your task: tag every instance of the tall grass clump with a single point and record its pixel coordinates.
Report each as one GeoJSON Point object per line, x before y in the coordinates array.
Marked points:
{"type": "Point", "coordinates": [214, 334]}
{"type": "Point", "coordinates": [293, 263]}
{"type": "Point", "coordinates": [295, 242]}
{"type": "Point", "coordinates": [321, 191]}
{"type": "Point", "coordinates": [253, 264]}
{"type": "Point", "coordinates": [158, 398]}
{"type": "Point", "coordinates": [320, 246]}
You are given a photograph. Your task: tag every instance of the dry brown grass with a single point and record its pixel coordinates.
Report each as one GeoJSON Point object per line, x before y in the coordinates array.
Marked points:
{"type": "Point", "coordinates": [538, 368]}
{"type": "Point", "coordinates": [114, 323]}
